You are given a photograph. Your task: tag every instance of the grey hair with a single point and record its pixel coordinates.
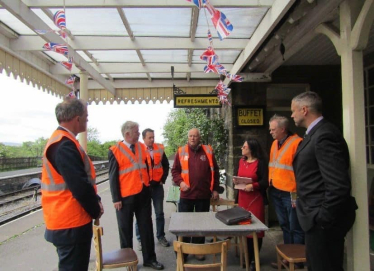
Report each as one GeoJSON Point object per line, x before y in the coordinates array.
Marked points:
{"type": "Point", "coordinates": [311, 100]}
{"type": "Point", "coordinates": [69, 109]}
{"type": "Point", "coordinates": [282, 121]}
{"type": "Point", "coordinates": [128, 126]}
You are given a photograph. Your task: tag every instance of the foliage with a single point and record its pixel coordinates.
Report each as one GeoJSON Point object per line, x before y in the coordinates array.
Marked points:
{"type": "Point", "coordinates": [27, 149]}
{"type": "Point", "coordinates": [212, 130]}
{"type": "Point", "coordinates": [93, 135]}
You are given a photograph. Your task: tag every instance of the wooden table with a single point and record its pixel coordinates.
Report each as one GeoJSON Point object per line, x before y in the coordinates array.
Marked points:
{"type": "Point", "coordinates": [206, 224]}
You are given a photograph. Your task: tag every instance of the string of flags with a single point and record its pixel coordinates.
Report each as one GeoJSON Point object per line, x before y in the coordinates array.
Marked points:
{"type": "Point", "coordinates": [223, 28]}
{"type": "Point", "coordinates": [59, 20]}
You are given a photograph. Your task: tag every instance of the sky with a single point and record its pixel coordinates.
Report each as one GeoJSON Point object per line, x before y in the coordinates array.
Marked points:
{"type": "Point", "coordinates": [27, 113]}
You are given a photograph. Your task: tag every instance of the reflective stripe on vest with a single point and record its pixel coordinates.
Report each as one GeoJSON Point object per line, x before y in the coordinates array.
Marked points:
{"type": "Point", "coordinates": [275, 163]}
{"type": "Point", "coordinates": [60, 209]}
{"type": "Point", "coordinates": [132, 168]}
{"type": "Point", "coordinates": [183, 158]}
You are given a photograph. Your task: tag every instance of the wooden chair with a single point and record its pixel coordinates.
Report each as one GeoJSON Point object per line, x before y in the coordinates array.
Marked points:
{"type": "Point", "coordinates": [201, 249]}
{"type": "Point", "coordinates": [125, 257]}
{"type": "Point", "coordinates": [292, 253]}
{"type": "Point", "coordinates": [239, 251]}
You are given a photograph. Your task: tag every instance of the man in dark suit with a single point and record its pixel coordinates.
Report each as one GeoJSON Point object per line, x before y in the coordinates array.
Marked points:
{"type": "Point", "coordinates": [325, 207]}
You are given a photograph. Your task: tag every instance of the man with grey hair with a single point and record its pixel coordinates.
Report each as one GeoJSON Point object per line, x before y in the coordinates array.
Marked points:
{"type": "Point", "coordinates": [69, 197]}
{"type": "Point", "coordinates": [282, 183]}
{"type": "Point", "coordinates": [131, 194]}
{"type": "Point", "coordinates": [325, 207]}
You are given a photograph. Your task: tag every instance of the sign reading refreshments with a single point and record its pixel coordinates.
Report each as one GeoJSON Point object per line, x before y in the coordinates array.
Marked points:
{"type": "Point", "coordinates": [196, 100]}
{"type": "Point", "coordinates": [250, 116]}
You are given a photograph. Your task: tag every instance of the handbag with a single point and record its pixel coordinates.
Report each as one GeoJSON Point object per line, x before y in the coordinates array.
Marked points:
{"type": "Point", "coordinates": [233, 215]}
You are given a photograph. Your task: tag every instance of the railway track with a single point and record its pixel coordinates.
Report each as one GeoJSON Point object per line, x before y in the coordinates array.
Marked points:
{"type": "Point", "coordinates": [20, 203]}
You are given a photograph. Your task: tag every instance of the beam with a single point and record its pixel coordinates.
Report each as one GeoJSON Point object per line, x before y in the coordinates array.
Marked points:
{"type": "Point", "coordinates": [145, 83]}
{"type": "Point", "coordinates": [271, 19]}
{"type": "Point", "coordinates": [120, 68]}
{"type": "Point", "coordinates": [361, 29]}
{"type": "Point", "coordinates": [304, 30]}
{"type": "Point", "coordinates": [25, 15]}
{"type": "Point", "coordinates": [34, 43]}
{"type": "Point", "coordinates": [126, 23]}
{"type": "Point", "coordinates": [143, 3]}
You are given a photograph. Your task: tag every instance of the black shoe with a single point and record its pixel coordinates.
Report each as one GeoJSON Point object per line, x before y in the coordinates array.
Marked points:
{"type": "Point", "coordinates": [155, 265]}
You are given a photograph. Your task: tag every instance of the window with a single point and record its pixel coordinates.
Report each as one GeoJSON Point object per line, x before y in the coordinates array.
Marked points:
{"type": "Point", "coordinates": [369, 113]}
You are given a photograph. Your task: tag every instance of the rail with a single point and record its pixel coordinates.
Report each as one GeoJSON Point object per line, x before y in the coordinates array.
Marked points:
{"type": "Point", "coordinates": [23, 202]}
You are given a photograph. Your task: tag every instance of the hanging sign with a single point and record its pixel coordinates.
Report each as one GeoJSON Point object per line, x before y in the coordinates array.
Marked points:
{"type": "Point", "coordinates": [196, 100]}
{"type": "Point", "coordinates": [250, 116]}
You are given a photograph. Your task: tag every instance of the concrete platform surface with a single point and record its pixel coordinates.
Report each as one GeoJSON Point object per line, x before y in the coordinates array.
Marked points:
{"type": "Point", "coordinates": [22, 244]}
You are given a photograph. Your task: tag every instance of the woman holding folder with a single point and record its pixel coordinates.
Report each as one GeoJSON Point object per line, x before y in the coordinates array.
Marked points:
{"type": "Point", "coordinates": [252, 182]}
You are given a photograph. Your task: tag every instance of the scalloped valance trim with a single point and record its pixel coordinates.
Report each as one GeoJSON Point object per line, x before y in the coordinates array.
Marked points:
{"type": "Point", "coordinates": [18, 68]}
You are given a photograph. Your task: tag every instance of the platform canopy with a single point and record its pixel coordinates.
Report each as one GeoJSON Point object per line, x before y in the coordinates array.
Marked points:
{"type": "Point", "coordinates": [127, 48]}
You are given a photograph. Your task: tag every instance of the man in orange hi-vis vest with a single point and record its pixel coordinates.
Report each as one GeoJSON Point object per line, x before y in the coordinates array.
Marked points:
{"type": "Point", "coordinates": [196, 172]}
{"type": "Point", "coordinates": [282, 183]}
{"type": "Point", "coordinates": [158, 173]}
{"type": "Point", "coordinates": [131, 194]}
{"type": "Point", "coordinates": [68, 188]}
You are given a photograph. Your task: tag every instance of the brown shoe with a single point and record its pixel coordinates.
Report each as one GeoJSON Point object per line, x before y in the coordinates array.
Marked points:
{"type": "Point", "coordinates": [200, 257]}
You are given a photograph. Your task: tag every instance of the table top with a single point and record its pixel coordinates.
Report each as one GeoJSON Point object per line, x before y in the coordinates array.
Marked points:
{"type": "Point", "coordinates": [206, 224]}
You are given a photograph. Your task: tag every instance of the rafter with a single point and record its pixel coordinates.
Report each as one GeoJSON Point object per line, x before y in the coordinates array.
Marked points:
{"type": "Point", "coordinates": [120, 68]}
{"type": "Point", "coordinates": [143, 3]}
{"type": "Point", "coordinates": [29, 18]}
{"type": "Point", "coordinates": [34, 43]}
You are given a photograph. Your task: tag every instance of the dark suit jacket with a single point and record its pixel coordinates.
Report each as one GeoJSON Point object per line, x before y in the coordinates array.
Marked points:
{"type": "Point", "coordinates": [321, 166]}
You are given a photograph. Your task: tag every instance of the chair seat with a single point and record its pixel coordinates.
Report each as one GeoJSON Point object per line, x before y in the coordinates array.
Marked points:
{"type": "Point", "coordinates": [205, 268]}
{"type": "Point", "coordinates": [293, 253]}
{"type": "Point", "coordinates": [119, 256]}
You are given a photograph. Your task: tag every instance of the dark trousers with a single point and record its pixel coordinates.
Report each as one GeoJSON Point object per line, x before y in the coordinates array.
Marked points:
{"type": "Point", "coordinates": [194, 205]}
{"type": "Point", "coordinates": [325, 247]}
{"type": "Point", "coordinates": [251, 250]}
{"type": "Point", "coordinates": [287, 217]}
{"type": "Point", "coordinates": [157, 194]}
{"type": "Point", "coordinates": [140, 205]}
{"type": "Point", "coordinates": [74, 257]}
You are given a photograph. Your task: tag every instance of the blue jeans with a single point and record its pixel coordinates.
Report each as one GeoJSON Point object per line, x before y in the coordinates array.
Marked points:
{"type": "Point", "coordinates": [287, 217]}
{"type": "Point", "coordinates": [157, 195]}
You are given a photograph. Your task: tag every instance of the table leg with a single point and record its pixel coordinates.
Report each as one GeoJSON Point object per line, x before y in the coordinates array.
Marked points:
{"type": "Point", "coordinates": [245, 249]}
{"type": "Point", "coordinates": [257, 256]}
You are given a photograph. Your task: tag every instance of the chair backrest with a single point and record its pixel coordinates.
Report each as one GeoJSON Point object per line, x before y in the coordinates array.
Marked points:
{"type": "Point", "coordinates": [201, 249]}
{"type": "Point", "coordinates": [97, 233]}
{"type": "Point", "coordinates": [223, 202]}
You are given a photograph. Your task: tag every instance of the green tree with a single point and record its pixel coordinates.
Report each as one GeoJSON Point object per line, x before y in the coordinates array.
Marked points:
{"type": "Point", "coordinates": [212, 130]}
{"type": "Point", "coordinates": [93, 135]}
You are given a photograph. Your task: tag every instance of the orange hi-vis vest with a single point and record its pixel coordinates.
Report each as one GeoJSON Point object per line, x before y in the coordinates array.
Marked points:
{"type": "Point", "coordinates": [281, 172]}
{"type": "Point", "coordinates": [157, 171]}
{"type": "Point", "coordinates": [132, 168]}
{"type": "Point", "coordinates": [183, 157]}
{"type": "Point", "coordinates": [60, 209]}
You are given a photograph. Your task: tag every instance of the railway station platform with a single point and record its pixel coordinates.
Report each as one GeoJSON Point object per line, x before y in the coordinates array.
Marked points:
{"type": "Point", "coordinates": [22, 244]}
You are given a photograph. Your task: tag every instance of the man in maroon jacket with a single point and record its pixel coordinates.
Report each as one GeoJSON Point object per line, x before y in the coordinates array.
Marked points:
{"type": "Point", "coordinates": [196, 172]}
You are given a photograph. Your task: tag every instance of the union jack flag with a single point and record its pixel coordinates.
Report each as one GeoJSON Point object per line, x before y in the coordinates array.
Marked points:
{"type": "Point", "coordinates": [234, 77]}
{"type": "Point", "coordinates": [71, 94]}
{"type": "Point", "coordinates": [210, 38]}
{"type": "Point", "coordinates": [198, 3]}
{"type": "Point", "coordinates": [70, 80]}
{"type": "Point", "coordinates": [58, 48]}
{"type": "Point", "coordinates": [223, 92]}
{"type": "Point", "coordinates": [209, 56]}
{"type": "Point", "coordinates": [219, 20]}
{"type": "Point", "coordinates": [67, 64]}
{"type": "Point", "coordinates": [59, 19]}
